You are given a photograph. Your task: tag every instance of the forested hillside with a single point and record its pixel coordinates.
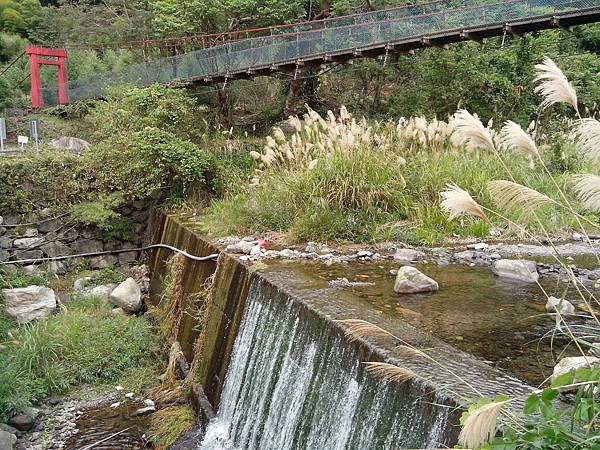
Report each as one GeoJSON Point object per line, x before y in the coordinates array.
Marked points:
{"type": "Point", "coordinates": [493, 78]}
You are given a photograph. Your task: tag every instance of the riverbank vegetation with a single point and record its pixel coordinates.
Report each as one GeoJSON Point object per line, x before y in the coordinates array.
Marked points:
{"type": "Point", "coordinates": [563, 412]}
{"type": "Point", "coordinates": [70, 350]}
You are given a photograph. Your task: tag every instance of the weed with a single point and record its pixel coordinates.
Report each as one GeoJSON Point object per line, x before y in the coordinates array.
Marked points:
{"type": "Point", "coordinates": [169, 423]}
{"type": "Point", "coordinates": [71, 348]}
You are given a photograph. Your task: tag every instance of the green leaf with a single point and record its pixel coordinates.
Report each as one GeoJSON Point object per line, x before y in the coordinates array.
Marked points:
{"type": "Point", "coordinates": [532, 404]}
{"type": "Point", "coordinates": [563, 380]}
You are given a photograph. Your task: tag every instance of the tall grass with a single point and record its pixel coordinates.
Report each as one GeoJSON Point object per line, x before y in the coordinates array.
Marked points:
{"type": "Point", "coordinates": [84, 345]}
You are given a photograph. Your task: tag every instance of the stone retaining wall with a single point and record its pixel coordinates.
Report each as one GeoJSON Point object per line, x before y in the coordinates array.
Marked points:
{"type": "Point", "coordinates": [41, 236]}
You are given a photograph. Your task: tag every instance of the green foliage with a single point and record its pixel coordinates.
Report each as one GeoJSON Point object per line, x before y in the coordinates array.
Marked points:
{"type": "Point", "coordinates": [177, 18]}
{"type": "Point", "coordinates": [19, 16]}
{"type": "Point", "coordinates": [16, 277]}
{"type": "Point", "coordinates": [102, 215]}
{"type": "Point", "coordinates": [549, 425]}
{"type": "Point", "coordinates": [169, 423]}
{"type": "Point", "coordinates": [55, 355]}
{"type": "Point", "coordinates": [133, 110]}
{"type": "Point", "coordinates": [151, 162]}
{"type": "Point", "coordinates": [368, 196]}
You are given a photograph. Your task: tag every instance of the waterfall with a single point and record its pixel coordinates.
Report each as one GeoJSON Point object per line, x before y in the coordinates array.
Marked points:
{"type": "Point", "coordinates": [295, 383]}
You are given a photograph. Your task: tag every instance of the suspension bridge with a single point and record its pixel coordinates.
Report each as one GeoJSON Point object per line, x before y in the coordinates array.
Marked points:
{"type": "Point", "coordinates": [288, 48]}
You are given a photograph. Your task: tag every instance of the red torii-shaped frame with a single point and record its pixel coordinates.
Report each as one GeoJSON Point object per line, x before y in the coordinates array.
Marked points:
{"type": "Point", "coordinates": [39, 56]}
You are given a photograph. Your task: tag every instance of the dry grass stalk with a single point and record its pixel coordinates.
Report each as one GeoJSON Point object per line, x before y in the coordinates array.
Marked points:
{"type": "Point", "coordinates": [553, 85]}
{"type": "Point", "coordinates": [481, 425]}
{"type": "Point", "coordinates": [409, 351]}
{"type": "Point", "coordinates": [390, 372]}
{"type": "Point", "coordinates": [172, 305]}
{"type": "Point", "coordinates": [516, 139]}
{"type": "Point", "coordinates": [457, 202]}
{"type": "Point", "coordinates": [472, 131]}
{"type": "Point", "coordinates": [588, 189]}
{"type": "Point", "coordinates": [361, 329]}
{"type": "Point", "coordinates": [510, 195]}
{"type": "Point", "coordinates": [587, 133]}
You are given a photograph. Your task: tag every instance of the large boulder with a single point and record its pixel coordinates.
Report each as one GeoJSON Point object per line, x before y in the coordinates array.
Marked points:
{"type": "Point", "coordinates": [7, 440]}
{"type": "Point", "coordinates": [29, 303]}
{"type": "Point", "coordinates": [410, 280]}
{"type": "Point", "coordinates": [70, 143]}
{"type": "Point", "coordinates": [516, 269]}
{"type": "Point", "coordinates": [128, 296]}
{"type": "Point", "coordinates": [560, 305]}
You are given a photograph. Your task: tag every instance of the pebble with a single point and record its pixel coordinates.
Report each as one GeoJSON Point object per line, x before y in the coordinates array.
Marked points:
{"type": "Point", "coordinates": [130, 395]}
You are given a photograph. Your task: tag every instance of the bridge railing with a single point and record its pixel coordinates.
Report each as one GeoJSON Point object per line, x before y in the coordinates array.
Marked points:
{"type": "Point", "coordinates": [266, 51]}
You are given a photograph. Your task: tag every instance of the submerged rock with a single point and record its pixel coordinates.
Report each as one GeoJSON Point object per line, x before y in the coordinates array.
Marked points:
{"type": "Point", "coordinates": [345, 283]}
{"type": "Point", "coordinates": [29, 303]}
{"type": "Point", "coordinates": [410, 280]}
{"type": "Point", "coordinates": [128, 296]}
{"type": "Point", "coordinates": [560, 305]}
{"type": "Point", "coordinates": [516, 269]}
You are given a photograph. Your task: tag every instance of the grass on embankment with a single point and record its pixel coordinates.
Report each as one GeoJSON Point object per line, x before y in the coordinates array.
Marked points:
{"type": "Point", "coordinates": [85, 345]}
{"type": "Point", "coordinates": [368, 196]}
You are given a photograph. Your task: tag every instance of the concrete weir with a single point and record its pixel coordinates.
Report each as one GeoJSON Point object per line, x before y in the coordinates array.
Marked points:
{"type": "Point", "coordinates": [273, 361]}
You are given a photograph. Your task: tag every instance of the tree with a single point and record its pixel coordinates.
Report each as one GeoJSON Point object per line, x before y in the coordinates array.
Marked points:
{"type": "Point", "coordinates": [19, 16]}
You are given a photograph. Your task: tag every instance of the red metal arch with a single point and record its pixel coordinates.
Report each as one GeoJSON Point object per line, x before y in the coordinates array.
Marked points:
{"type": "Point", "coordinates": [39, 56]}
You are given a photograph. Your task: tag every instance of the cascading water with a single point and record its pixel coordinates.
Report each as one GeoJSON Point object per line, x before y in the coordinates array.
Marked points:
{"type": "Point", "coordinates": [295, 383]}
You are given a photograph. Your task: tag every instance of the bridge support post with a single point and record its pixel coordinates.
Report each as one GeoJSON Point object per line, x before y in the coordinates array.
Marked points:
{"type": "Point", "coordinates": [39, 56]}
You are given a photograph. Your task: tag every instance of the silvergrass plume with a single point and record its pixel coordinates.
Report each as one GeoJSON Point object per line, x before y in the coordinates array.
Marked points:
{"type": "Point", "coordinates": [472, 131]}
{"type": "Point", "coordinates": [458, 202]}
{"type": "Point", "coordinates": [588, 190]}
{"type": "Point", "coordinates": [510, 195]}
{"type": "Point", "coordinates": [359, 329]}
{"type": "Point", "coordinates": [516, 139]}
{"type": "Point", "coordinates": [481, 425]}
{"type": "Point", "coordinates": [390, 372]}
{"type": "Point", "coordinates": [587, 133]}
{"type": "Point", "coordinates": [554, 87]}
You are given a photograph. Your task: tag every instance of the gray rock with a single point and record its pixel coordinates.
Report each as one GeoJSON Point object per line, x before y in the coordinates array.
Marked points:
{"type": "Point", "coordinates": [2, 231]}
{"type": "Point", "coordinates": [56, 248]}
{"type": "Point", "coordinates": [4, 255]}
{"type": "Point", "coordinates": [467, 254]}
{"type": "Point", "coordinates": [28, 242]}
{"type": "Point", "coordinates": [516, 269]}
{"type": "Point", "coordinates": [570, 363]}
{"type": "Point", "coordinates": [101, 262]}
{"type": "Point", "coordinates": [241, 247]}
{"type": "Point", "coordinates": [345, 283]}
{"type": "Point", "coordinates": [7, 440]}
{"type": "Point", "coordinates": [58, 267]}
{"type": "Point", "coordinates": [1, 220]}
{"type": "Point", "coordinates": [406, 255]}
{"type": "Point", "coordinates": [101, 292]}
{"type": "Point", "coordinates": [478, 246]}
{"type": "Point", "coordinates": [30, 232]}
{"type": "Point", "coordinates": [9, 429]}
{"type": "Point", "coordinates": [22, 422]}
{"type": "Point", "coordinates": [563, 307]}
{"type": "Point", "coordinates": [49, 226]}
{"type": "Point", "coordinates": [144, 411]}
{"type": "Point", "coordinates": [118, 312]}
{"type": "Point", "coordinates": [88, 246]}
{"type": "Point", "coordinates": [68, 235]}
{"type": "Point", "coordinates": [410, 280]}
{"type": "Point", "coordinates": [27, 254]}
{"type": "Point", "coordinates": [29, 303]}
{"type": "Point", "coordinates": [70, 143]}
{"type": "Point", "coordinates": [127, 257]}
{"type": "Point", "coordinates": [128, 296]}
{"type": "Point", "coordinates": [81, 283]}
{"type": "Point", "coordinates": [594, 275]}
{"type": "Point", "coordinates": [6, 242]}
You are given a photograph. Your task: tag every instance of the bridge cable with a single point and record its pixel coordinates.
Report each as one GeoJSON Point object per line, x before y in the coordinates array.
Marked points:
{"type": "Point", "coordinates": [12, 63]}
